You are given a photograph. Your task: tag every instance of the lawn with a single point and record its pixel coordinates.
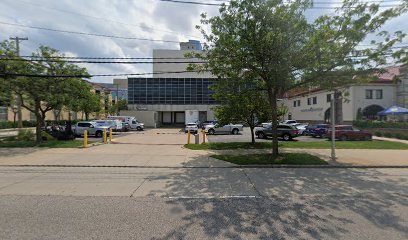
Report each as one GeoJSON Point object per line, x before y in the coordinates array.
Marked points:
{"type": "Point", "coordinates": [264, 159]}
{"type": "Point", "coordinates": [375, 144]}
{"type": "Point", "coordinates": [49, 144]}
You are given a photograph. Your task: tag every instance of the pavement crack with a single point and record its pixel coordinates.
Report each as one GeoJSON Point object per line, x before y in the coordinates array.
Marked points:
{"type": "Point", "coordinates": [131, 195]}
{"type": "Point", "coordinates": [251, 182]}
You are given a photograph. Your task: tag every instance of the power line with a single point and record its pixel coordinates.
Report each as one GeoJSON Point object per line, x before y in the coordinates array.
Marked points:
{"type": "Point", "coordinates": [88, 76]}
{"type": "Point", "coordinates": [88, 34]}
{"type": "Point", "coordinates": [98, 62]}
{"type": "Point", "coordinates": [104, 19]}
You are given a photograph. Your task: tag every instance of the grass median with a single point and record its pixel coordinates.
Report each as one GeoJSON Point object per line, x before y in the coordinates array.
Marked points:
{"type": "Point", "coordinates": [265, 159]}
{"type": "Point", "coordinates": [49, 144]}
{"type": "Point", "coordinates": [375, 144]}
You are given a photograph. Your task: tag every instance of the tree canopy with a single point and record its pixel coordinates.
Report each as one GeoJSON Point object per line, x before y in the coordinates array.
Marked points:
{"type": "Point", "coordinates": [282, 49]}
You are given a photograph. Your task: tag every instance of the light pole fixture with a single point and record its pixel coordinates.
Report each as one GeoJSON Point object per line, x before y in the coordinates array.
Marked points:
{"type": "Point", "coordinates": [15, 110]}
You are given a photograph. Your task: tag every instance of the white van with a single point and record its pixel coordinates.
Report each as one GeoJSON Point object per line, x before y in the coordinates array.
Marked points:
{"type": "Point", "coordinates": [131, 121]}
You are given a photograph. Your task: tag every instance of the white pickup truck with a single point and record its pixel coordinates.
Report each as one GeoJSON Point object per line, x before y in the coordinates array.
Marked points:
{"type": "Point", "coordinates": [229, 128]}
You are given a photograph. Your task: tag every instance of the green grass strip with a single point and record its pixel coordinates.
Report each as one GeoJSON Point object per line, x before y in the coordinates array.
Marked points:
{"type": "Point", "coordinates": [375, 144]}
{"type": "Point", "coordinates": [265, 159]}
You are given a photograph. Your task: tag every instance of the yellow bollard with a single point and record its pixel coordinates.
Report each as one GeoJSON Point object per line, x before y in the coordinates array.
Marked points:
{"type": "Point", "coordinates": [188, 138]}
{"type": "Point", "coordinates": [110, 134]}
{"type": "Point", "coordinates": [104, 135]}
{"type": "Point", "coordinates": [203, 135]}
{"type": "Point", "coordinates": [85, 138]}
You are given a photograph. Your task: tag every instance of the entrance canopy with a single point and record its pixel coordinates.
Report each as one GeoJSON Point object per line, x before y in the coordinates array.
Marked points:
{"type": "Point", "coordinates": [394, 110]}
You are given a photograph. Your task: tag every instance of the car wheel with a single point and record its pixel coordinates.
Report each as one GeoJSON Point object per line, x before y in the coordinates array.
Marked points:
{"type": "Point", "coordinates": [261, 135]}
{"type": "Point", "coordinates": [367, 138]}
{"type": "Point", "coordinates": [98, 134]}
{"type": "Point", "coordinates": [286, 137]}
{"type": "Point", "coordinates": [235, 131]}
{"type": "Point", "coordinates": [211, 131]}
{"type": "Point", "coordinates": [139, 129]}
{"type": "Point", "coordinates": [343, 138]}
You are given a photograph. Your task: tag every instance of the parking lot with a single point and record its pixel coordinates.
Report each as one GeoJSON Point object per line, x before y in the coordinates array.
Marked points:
{"type": "Point", "coordinates": [114, 136]}
{"type": "Point", "coordinates": [245, 136]}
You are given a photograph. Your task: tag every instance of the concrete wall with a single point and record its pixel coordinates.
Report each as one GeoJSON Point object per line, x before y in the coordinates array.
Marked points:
{"type": "Point", "coordinates": [149, 118]}
{"type": "Point", "coordinates": [359, 97]}
{"type": "Point", "coordinates": [353, 99]}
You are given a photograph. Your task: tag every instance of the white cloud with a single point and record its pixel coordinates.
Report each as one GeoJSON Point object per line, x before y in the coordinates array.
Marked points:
{"type": "Point", "coordinates": [141, 18]}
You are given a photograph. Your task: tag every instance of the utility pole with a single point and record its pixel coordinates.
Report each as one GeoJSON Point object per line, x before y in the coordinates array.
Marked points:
{"type": "Point", "coordinates": [333, 126]}
{"type": "Point", "coordinates": [117, 98]}
{"type": "Point", "coordinates": [18, 98]}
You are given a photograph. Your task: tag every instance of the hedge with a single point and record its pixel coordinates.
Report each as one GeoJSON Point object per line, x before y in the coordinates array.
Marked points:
{"type": "Point", "coordinates": [9, 124]}
{"type": "Point", "coordinates": [378, 124]}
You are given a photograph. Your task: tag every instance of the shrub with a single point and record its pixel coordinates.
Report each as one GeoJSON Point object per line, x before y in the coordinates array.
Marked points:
{"type": "Point", "coordinates": [388, 135]}
{"type": "Point", "coordinates": [399, 135]}
{"type": "Point", "coordinates": [380, 124]}
{"type": "Point", "coordinates": [25, 135]}
{"type": "Point", "coordinates": [378, 134]}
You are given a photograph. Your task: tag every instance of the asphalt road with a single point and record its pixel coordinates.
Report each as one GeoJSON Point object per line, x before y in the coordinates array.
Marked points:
{"type": "Point", "coordinates": [245, 136]}
{"type": "Point", "coordinates": [202, 203]}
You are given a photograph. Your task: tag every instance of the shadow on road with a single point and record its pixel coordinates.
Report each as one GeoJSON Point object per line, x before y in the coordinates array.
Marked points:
{"type": "Point", "coordinates": [287, 203]}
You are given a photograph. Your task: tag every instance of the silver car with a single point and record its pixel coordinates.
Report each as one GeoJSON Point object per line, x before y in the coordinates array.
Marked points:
{"type": "Point", "coordinates": [93, 129]}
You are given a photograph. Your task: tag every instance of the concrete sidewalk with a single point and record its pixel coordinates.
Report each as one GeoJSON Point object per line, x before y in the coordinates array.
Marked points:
{"type": "Point", "coordinates": [164, 148]}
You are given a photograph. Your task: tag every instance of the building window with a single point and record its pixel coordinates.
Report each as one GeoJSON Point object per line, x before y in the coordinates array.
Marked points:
{"type": "Point", "coordinates": [314, 100]}
{"type": "Point", "coordinates": [309, 101]}
{"type": "Point", "coordinates": [328, 96]}
{"type": "Point", "coordinates": [298, 103]}
{"type": "Point", "coordinates": [369, 94]}
{"type": "Point", "coordinates": [294, 103]}
{"type": "Point", "coordinates": [379, 94]}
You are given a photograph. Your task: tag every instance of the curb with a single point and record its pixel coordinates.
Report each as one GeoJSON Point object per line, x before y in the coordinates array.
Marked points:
{"type": "Point", "coordinates": [205, 167]}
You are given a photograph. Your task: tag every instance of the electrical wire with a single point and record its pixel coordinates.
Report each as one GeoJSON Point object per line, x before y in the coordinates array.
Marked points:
{"type": "Point", "coordinates": [88, 34]}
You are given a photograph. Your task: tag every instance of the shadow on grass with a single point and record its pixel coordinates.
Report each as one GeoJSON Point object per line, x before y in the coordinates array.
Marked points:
{"type": "Point", "coordinates": [285, 203]}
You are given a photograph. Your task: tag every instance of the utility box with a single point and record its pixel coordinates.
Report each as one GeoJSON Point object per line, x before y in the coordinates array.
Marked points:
{"type": "Point", "coordinates": [197, 138]}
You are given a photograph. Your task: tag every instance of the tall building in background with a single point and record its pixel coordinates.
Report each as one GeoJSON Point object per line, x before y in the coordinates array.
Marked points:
{"type": "Point", "coordinates": [173, 96]}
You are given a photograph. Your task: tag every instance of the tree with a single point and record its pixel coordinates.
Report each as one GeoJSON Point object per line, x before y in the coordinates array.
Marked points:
{"type": "Point", "coordinates": [274, 41]}
{"type": "Point", "coordinates": [241, 101]}
{"type": "Point", "coordinates": [42, 83]}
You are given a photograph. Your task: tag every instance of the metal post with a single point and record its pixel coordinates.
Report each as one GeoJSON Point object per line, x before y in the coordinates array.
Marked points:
{"type": "Point", "coordinates": [203, 131]}
{"type": "Point", "coordinates": [110, 134]}
{"type": "Point", "coordinates": [188, 137]}
{"type": "Point", "coordinates": [333, 128]}
{"type": "Point", "coordinates": [85, 138]}
{"type": "Point", "coordinates": [104, 136]}
{"type": "Point", "coordinates": [18, 98]}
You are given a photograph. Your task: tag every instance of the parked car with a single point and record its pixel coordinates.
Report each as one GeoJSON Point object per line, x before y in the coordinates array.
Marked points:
{"type": "Point", "coordinates": [289, 122]}
{"type": "Point", "coordinates": [348, 132]}
{"type": "Point", "coordinates": [316, 130]}
{"type": "Point", "coordinates": [205, 123]}
{"type": "Point", "coordinates": [229, 128]}
{"type": "Point", "coordinates": [192, 127]}
{"type": "Point", "coordinates": [301, 127]}
{"type": "Point", "coordinates": [285, 131]}
{"type": "Point", "coordinates": [92, 127]}
{"type": "Point", "coordinates": [115, 125]}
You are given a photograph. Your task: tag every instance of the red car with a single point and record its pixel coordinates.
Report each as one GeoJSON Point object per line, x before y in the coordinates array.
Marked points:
{"type": "Point", "coordinates": [348, 132]}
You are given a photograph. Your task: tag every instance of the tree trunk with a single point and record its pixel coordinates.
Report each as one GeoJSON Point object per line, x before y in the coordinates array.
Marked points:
{"type": "Point", "coordinates": [272, 101]}
{"type": "Point", "coordinates": [39, 122]}
{"type": "Point", "coordinates": [86, 116]}
{"type": "Point", "coordinates": [252, 134]}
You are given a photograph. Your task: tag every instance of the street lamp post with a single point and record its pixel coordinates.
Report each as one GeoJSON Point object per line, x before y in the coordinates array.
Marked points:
{"type": "Point", "coordinates": [15, 110]}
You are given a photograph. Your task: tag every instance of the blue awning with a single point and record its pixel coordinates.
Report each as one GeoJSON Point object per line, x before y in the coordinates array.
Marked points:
{"type": "Point", "coordinates": [393, 110]}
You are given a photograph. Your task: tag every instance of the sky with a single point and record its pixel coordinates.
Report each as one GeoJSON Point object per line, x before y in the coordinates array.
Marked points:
{"type": "Point", "coordinates": [151, 19]}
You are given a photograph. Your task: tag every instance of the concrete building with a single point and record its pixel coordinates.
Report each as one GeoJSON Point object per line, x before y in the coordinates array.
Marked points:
{"type": "Point", "coordinates": [313, 105]}
{"type": "Point", "coordinates": [172, 93]}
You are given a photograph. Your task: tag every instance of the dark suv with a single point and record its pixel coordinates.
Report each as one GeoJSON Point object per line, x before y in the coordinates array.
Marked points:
{"type": "Point", "coordinates": [285, 131]}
